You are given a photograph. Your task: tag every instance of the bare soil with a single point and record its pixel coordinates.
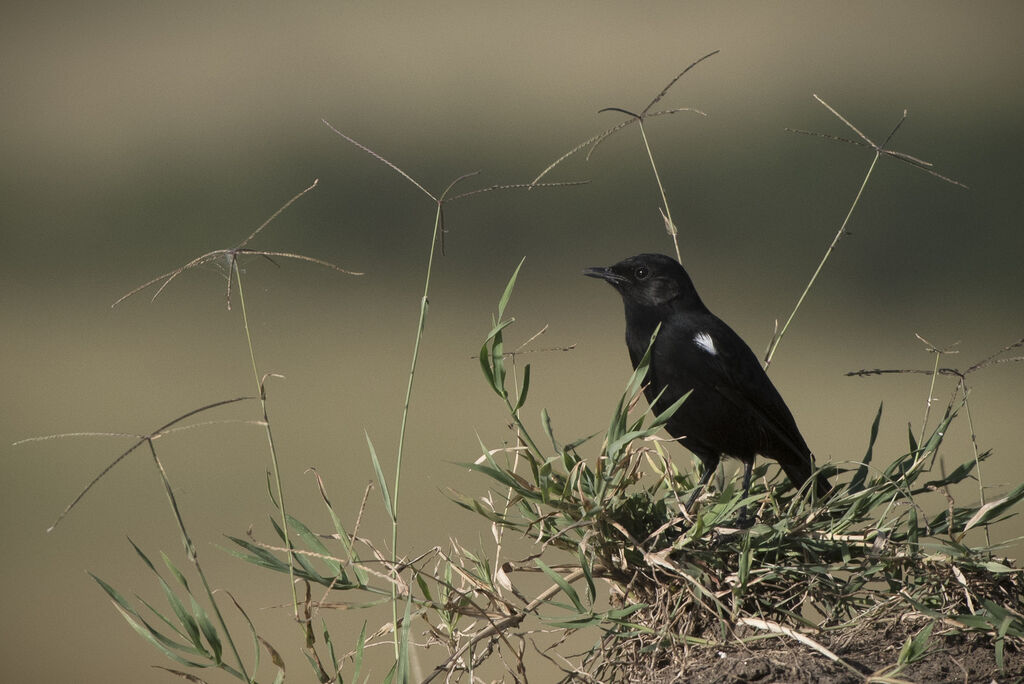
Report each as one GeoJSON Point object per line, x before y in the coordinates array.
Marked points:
{"type": "Point", "coordinates": [873, 650]}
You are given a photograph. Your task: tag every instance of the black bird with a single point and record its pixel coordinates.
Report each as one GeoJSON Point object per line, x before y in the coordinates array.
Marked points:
{"type": "Point", "coordinates": [734, 409]}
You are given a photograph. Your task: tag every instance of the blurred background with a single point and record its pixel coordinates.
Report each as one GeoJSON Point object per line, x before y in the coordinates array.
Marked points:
{"type": "Point", "coordinates": [137, 137]}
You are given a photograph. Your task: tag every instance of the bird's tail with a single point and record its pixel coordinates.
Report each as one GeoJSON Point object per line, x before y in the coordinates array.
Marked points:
{"type": "Point", "coordinates": [800, 471]}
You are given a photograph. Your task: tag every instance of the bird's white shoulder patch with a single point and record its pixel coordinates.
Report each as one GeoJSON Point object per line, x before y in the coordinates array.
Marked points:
{"type": "Point", "coordinates": [704, 341]}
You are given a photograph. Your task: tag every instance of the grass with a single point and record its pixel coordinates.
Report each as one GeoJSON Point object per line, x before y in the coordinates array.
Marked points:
{"type": "Point", "coordinates": [620, 563]}
{"type": "Point", "coordinates": [870, 548]}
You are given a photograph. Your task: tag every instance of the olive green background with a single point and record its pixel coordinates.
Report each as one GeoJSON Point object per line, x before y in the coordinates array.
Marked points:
{"type": "Point", "coordinates": [137, 137]}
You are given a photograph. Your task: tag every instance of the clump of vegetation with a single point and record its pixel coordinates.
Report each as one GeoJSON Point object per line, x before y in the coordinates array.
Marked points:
{"type": "Point", "coordinates": [806, 571]}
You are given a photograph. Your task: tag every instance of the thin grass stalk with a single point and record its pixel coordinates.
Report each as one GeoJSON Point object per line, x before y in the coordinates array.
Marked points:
{"type": "Point", "coordinates": [270, 436]}
{"type": "Point", "coordinates": [977, 456]}
{"type": "Point", "coordinates": [424, 305]}
{"type": "Point", "coordinates": [193, 556]}
{"type": "Point", "coordinates": [661, 188]}
{"type": "Point", "coordinates": [521, 431]}
{"type": "Point", "coordinates": [931, 396]}
{"type": "Point", "coordinates": [828, 252]}
{"type": "Point", "coordinates": [515, 468]}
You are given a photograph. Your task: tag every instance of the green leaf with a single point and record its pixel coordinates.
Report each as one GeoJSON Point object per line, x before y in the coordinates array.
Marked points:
{"type": "Point", "coordinates": [573, 623]}
{"type": "Point", "coordinates": [357, 661]}
{"type": "Point", "coordinates": [940, 432]}
{"type": "Point", "coordinates": [667, 414]}
{"type": "Point", "coordinates": [915, 648]}
{"type": "Point", "coordinates": [571, 446]}
{"type": "Point", "coordinates": [994, 509]}
{"type": "Point", "coordinates": [403, 642]}
{"type": "Point", "coordinates": [145, 630]}
{"type": "Point", "coordinates": [623, 613]}
{"type": "Point", "coordinates": [504, 477]}
{"type": "Point", "coordinates": [993, 566]}
{"type": "Point", "coordinates": [252, 633]}
{"type": "Point", "coordinates": [188, 648]}
{"type": "Point", "coordinates": [977, 622]}
{"type": "Point", "coordinates": [636, 380]}
{"type": "Point", "coordinates": [503, 302]}
{"type": "Point", "coordinates": [495, 334]}
{"type": "Point", "coordinates": [861, 476]}
{"type": "Point", "coordinates": [257, 555]}
{"type": "Point", "coordinates": [174, 571]}
{"type": "Point", "coordinates": [498, 361]}
{"type": "Point", "coordinates": [315, 545]}
{"type": "Point", "coordinates": [913, 530]}
{"type": "Point", "coordinates": [278, 530]}
{"type": "Point", "coordinates": [209, 631]}
{"type": "Point", "coordinates": [616, 446]}
{"type": "Point", "coordinates": [563, 585]}
{"type": "Point", "coordinates": [959, 474]}
{"type": "Point", "coordinates": [617, 615]}
{"type": "Point", "coordinates": [744, 564]}
{"type": "Point", "coordinates": [189, 623]}
{"type": "Point", "coordinates": [114, 594]}
{"type": "Point", "coordinates": [545, 422]}
{"type": "Point", "coordinates": [185, 618]}
{"type": "Point", "coordinates": [381, 482]}
{"type": "Point", "coordinates": [911, 438]}
{"type": "Point", "coordinates": [588, 575]}
{"type": "Point", "coordinates": [339, 529]}
{"type": "Point", "coordinates": [485, 364]}
{"type": "Point", "coordinates": [143, 556]}
{"type": "Point", "coordinates": [525, 389]}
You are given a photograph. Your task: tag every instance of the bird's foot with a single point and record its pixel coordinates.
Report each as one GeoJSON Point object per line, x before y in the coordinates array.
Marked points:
{"type": "Point", "coordinates": [744, 520]}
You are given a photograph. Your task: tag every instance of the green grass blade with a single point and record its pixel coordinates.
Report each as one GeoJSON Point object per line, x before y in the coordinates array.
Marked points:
{"type": "Point", "coordinates": [588, 575]}
{"type": "Point", "coordinates": [143, 629]}
{"type": "Point", "coordinates": [485, 364]}
{"type": "Point", "coordinates": [146, 631]}
{"type": "Point", "coordinates": [315, 545]}
{"type": "Point", "coordinates": [507, 294]}
{"type": "Point", "coordinates": [992, 510]}
{"type": "Point", "coordinates": [257, 555]}
{"type": "Point", "coordinates": [545, 422]}
{"type": "Point", "coordinates": [524, 390]}
{"type": "Point", "coordinates": [563, 585]}
{"type": "Point", "coordinates": [209, 631]}
{"type": "Point", "coordinates": [357, 660]}
{"type": "Point", "coordinates": [381, 482]}
{"type": "Point", "coordinates": [861, 476]}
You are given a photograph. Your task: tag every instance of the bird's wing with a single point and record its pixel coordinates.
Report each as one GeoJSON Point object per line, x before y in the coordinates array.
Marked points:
{"type": "Point", "coordinates": [735, 372]}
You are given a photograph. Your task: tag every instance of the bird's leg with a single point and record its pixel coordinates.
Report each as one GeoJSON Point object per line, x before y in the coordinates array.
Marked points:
{"type": "Point", "coordinates": [743, 521]}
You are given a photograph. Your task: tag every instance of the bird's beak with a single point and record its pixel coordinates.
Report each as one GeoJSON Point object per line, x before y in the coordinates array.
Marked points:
{"type": "Point", "coordinates": [605, 273]}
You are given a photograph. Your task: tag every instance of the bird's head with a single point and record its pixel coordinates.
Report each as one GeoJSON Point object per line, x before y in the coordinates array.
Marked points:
{"type": "Point", "coordinates": [650, 281]}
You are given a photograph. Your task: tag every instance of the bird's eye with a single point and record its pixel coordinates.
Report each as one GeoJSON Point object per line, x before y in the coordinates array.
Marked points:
{"type": "Point", "coordinates": [640, 272]}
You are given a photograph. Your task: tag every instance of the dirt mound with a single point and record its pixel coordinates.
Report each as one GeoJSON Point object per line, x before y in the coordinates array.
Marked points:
{"type": "Point", "coordinates": [871, 650]}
